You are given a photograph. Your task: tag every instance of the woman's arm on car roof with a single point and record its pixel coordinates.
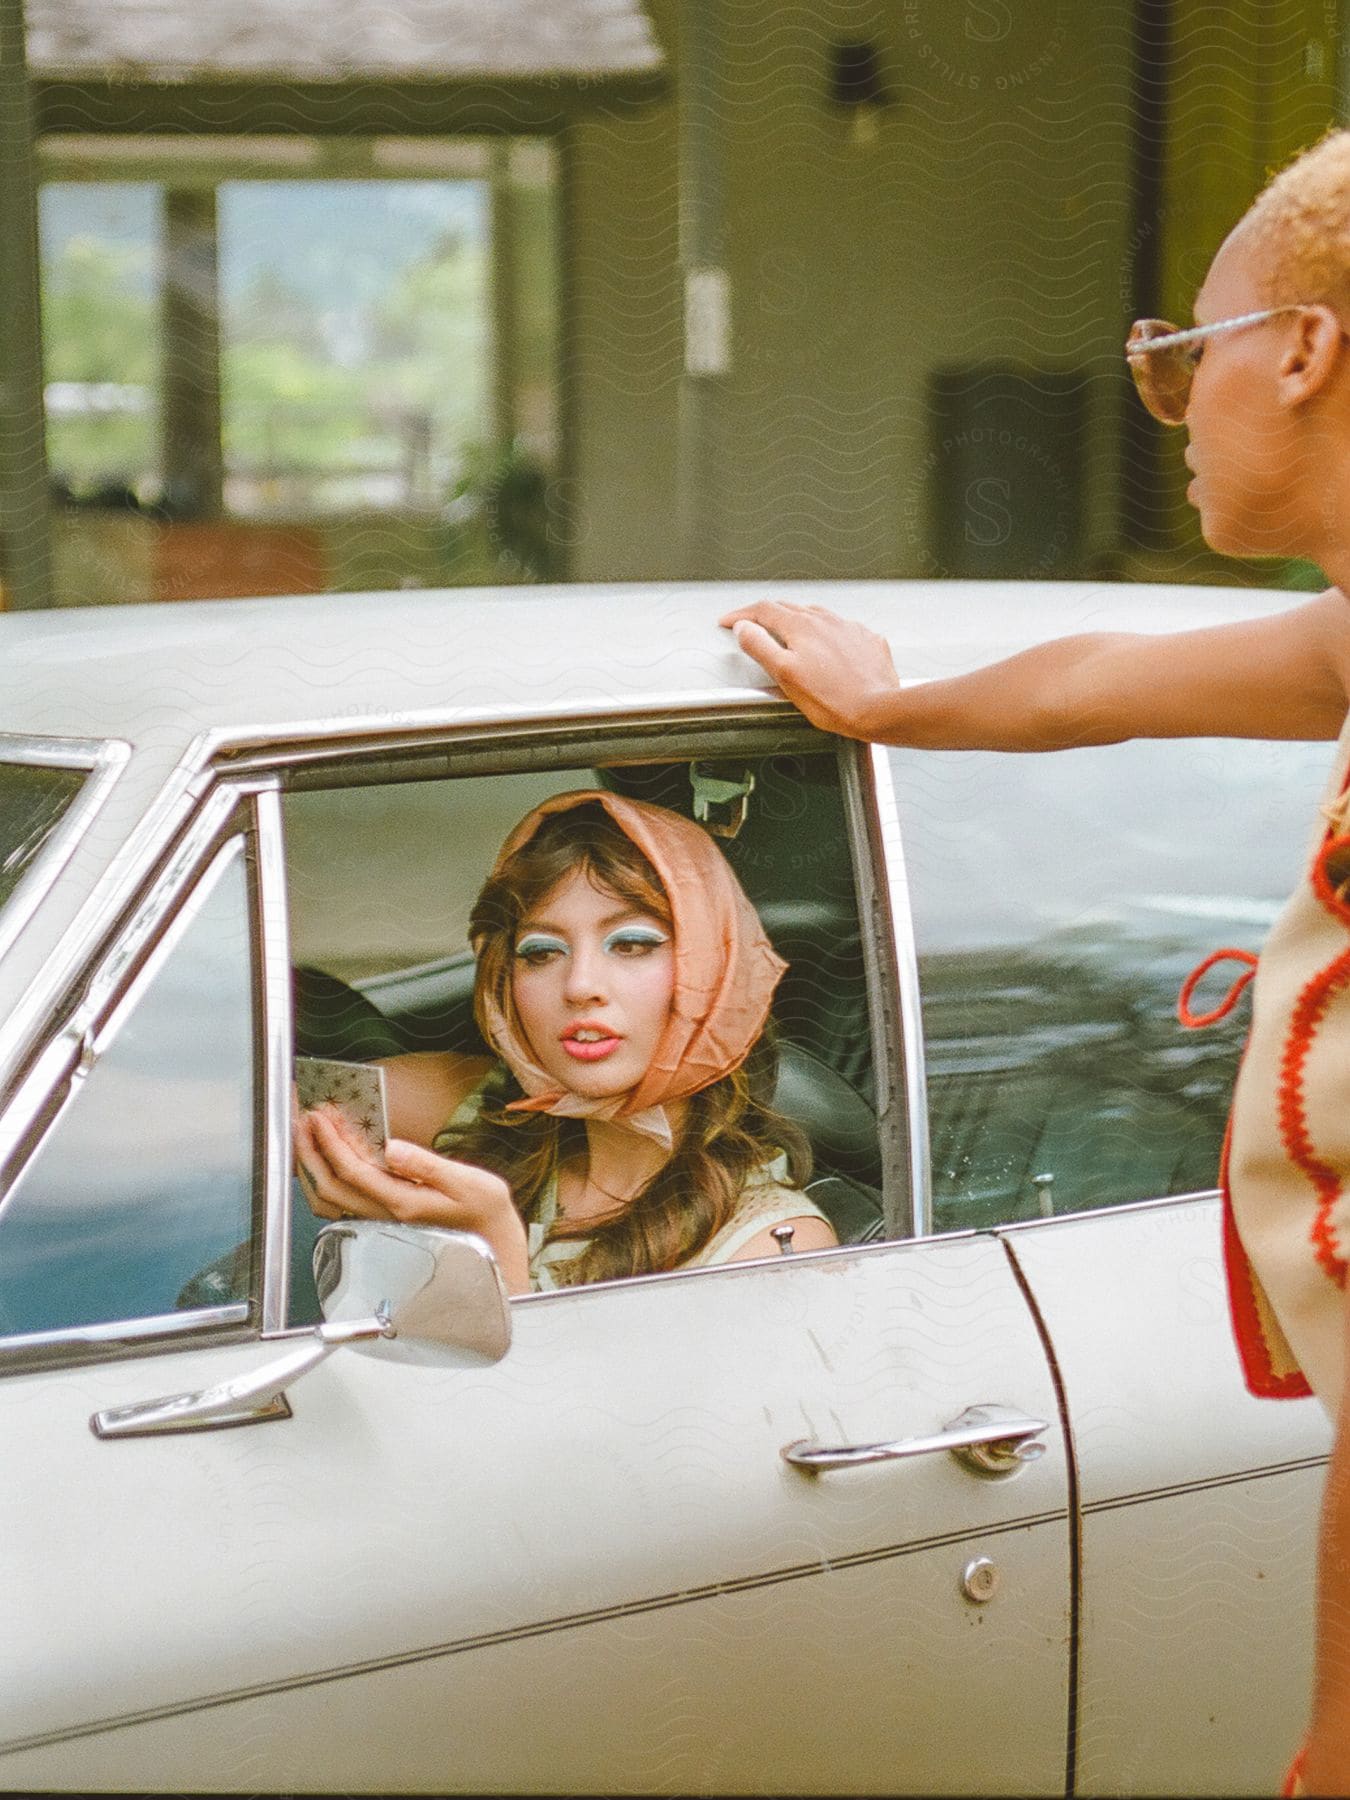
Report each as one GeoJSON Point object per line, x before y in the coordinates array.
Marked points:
{"type": "Point", "coordinates": [1286, 675]}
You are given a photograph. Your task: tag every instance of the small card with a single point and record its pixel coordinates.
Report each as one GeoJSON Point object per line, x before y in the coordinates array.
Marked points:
{"type": "Point", "coordinates": [356, 1090]}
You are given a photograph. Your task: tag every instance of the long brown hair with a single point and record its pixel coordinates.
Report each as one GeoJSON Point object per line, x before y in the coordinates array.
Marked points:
{"type": "Point", "coordinates": [729, 1129]}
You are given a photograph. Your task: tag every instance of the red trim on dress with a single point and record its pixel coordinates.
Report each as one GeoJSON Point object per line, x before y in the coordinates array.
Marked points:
{"type": "Point", "coordinates": [1307, 1016]}
{"type": "Point", "coordinates": [1197, 1021]}
{"type": "Point", "coordinates": [1245, 1302]}
{"type": "Point", "coordinates": [1245, 1298]}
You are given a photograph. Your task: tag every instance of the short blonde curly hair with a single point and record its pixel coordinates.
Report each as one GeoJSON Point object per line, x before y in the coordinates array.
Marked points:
{"type": "Point", "coordinates": [1299, 226]}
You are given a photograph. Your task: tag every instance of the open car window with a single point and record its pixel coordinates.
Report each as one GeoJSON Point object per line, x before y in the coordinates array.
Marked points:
{"type": "Point", "coordinates": [1059, 903]}
{"type": "Point", "coordinates": [380, 880]}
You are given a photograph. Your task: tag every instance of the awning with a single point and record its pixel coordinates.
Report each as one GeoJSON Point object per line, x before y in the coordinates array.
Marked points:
{"type": "Point", "coordinates": [354, 66]}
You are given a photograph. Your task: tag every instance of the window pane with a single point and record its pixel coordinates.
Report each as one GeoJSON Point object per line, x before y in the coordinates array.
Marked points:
{"type": "Point", "coordinates": [354, 341]}
{"type": "Point", "coordinates": [1059, 902]}
{"type": "Point", "coordinates": [381, 880]}
{"type": "Point", "coordinates": [33, 801]}
{"type": "Point", "coordinates": [148, 1174]}
{"type": "Point", "coordinates": [100, 311]}
{"type": "Point", "coordinates": [263, 384]}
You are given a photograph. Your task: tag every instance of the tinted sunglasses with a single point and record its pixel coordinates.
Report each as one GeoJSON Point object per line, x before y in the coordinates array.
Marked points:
{"type": "Point", "coordinates": [1163, 358]}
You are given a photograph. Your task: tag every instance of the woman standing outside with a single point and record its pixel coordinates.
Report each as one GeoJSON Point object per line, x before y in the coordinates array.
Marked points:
{"type": "Point", "coordinates": [1261, 384]}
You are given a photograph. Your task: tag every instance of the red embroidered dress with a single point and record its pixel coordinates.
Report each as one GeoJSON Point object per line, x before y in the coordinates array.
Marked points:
{"type": "Point", "coordinates": [1287, 1160]}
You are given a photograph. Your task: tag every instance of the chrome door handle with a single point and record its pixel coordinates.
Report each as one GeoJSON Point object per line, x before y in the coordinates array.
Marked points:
{"type": "Point", "coordinates": [987, 1440]}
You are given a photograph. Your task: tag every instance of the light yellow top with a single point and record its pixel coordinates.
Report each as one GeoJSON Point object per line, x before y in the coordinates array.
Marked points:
{"type": "Point", "coordinates": [764, 1203]}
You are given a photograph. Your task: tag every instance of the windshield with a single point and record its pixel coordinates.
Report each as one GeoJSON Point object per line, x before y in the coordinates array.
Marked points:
{"type": "Point", "coordinates": [33, 800]}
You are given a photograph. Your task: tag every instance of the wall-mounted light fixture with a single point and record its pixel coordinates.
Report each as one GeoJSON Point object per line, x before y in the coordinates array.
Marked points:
{"type": "Point", "coordinates": [856, 86]}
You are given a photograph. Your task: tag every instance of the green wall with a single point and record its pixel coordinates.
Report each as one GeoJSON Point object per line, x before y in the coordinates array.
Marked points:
{"type": "Point", "coordinates": [989, 219]}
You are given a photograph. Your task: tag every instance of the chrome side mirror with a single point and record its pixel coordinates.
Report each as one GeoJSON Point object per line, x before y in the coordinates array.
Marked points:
{"type": "Point", "coordinates": [444, 1293]}
{"type": "Point", "coordinates": [414, 1292]}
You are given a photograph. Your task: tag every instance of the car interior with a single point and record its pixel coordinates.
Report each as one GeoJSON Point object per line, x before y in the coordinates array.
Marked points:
{"type": "Point", "coordinates": [780, 821]}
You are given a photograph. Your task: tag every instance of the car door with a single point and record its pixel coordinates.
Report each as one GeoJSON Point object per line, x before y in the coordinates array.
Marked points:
{"type": "Point", "coordinates": [1059, 902]}
{"type": "Point", "coordinates": [588, 1567]}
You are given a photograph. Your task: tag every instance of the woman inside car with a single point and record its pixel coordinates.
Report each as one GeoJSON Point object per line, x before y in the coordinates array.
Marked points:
{"type": "Point", "coordinates": [1262, 385]}
{"type": "Point", "coordinates": [624, 981]}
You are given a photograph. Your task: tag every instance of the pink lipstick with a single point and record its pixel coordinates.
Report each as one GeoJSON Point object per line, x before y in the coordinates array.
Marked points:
{"type": "Point", "coordinates": [591, 1048]}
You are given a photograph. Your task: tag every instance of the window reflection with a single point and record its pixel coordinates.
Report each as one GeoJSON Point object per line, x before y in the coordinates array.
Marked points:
{"type": "Point", "coordinates": [148, 1173]}
{"type": "Point", "coordinates": [1059, 903]}
{"type": "Point", "coordinates": [33, 801]}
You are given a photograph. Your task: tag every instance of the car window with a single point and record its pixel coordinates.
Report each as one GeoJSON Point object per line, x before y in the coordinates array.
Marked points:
{"type": "Point", "coordinates": [146, 1175]}
{"type": "Point", "coordinates": [1059, 901]}
{"type": "Point", "coordinates": [34, 798]}
{"type": "Point", "coordinates": [381, 878]}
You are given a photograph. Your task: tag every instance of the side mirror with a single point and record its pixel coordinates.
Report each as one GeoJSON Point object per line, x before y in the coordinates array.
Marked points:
{"type": "Point", "coordinates": [411, 1292]}
{"type": "Point", "coordinates": [443, 1292]}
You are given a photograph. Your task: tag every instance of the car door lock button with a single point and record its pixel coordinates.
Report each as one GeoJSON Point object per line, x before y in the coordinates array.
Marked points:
{"type": "Point", "coordinates": [980, 1579]}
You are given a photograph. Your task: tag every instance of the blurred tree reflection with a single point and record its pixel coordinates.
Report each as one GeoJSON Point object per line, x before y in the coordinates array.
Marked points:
{"type": "Point", "coordinates": [1067, 1060]}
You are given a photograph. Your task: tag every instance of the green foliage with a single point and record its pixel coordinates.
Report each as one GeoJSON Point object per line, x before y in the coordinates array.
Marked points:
{"type": "Point", "coordinates": [99, 325]}
{"type": "Point", "coordinates": [99, 321]}
{"type": "Point", "coordinates": [285, 408]}
{"type": "Point", "coordinates": [419, 377]}
{"type": "Point", "coordinates": [430, 340]}
{"type": "Point", "coordinates": [416, 377]}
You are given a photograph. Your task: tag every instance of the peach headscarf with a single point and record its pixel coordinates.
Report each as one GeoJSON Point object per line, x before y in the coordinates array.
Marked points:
{"type": "Point", "coordinates": [725, 971]}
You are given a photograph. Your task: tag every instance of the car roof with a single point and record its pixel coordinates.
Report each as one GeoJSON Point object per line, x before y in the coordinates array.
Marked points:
{"type": "Point", "coordinates": [241, 669]}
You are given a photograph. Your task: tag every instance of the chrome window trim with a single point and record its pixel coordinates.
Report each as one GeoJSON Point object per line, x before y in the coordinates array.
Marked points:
{"type": "Point", "coordinates": [149, 840]}
{"type": "Point", "coordinates": [891, 868]}
{"type": "Point", "coordinates": [29, 1346]}
{"type": "Point", "coordinates": [1211, 1195]}
{"type": "Point", "coordinates": [514, 752]}
{"type": "Point", "coordinates": [61, 752]}
{"type": "Point", "coordinates": [247, 748]}
{"type": "Point", "coordinates": [882, 966]}
{"type": "Point", "coordinates": [103, 759]}
{"type": "Point", "coordinates": [188, 860]}
{"type": "Point", "coordinates": [273, 941]}
{"type": "Point", "coordinates": [771, 1260]}
{"type": "Point", "coordinates": [832, 1253]}
{"type": "Point", "coordinates": [29, 1098]}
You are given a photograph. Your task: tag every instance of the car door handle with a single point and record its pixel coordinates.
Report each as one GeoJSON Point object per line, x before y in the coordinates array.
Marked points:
{"type": "Point", "coordinates": [988, 1440]}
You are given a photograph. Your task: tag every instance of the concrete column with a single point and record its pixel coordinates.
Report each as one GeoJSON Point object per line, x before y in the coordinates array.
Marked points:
{"type": "Point", "coordinates": [707, 300]}
{"type": "Point", "coordinates": [25, 526]}
{"type": "Point", "coordinates": [1145, 522]}
{"type": "Point", "coordinates": [503, 297]}
{"type": "Point", "coordinates": [191, 452]}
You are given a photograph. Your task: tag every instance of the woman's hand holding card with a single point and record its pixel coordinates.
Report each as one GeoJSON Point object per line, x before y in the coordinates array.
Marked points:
{"type": "Point", "coordinates": [414, 1186]}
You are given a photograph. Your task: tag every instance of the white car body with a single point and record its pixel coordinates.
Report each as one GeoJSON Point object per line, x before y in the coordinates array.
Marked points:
{"type": "Point", "coordinates": [588, 1567]}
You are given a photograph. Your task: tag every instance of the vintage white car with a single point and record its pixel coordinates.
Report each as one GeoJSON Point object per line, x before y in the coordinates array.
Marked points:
{"type": "Point", "coordinates": [974, 1503]}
